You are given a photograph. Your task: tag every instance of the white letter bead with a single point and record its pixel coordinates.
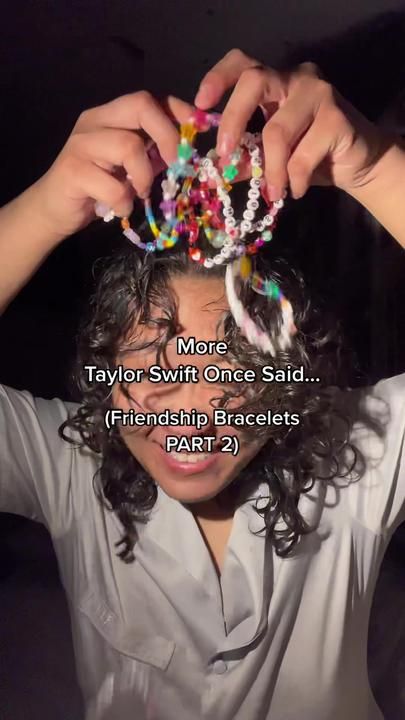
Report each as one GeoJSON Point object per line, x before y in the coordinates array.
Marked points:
{"type": "Point", "coordinates": [252, 204]}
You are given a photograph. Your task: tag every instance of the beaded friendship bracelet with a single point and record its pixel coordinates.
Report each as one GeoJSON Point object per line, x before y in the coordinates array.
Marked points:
{"type": "Point", "coordinates": [196, 196]}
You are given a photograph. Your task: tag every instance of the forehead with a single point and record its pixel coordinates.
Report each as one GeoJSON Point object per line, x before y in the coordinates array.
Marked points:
{"type": "Point", "coordinates": [201, 304]}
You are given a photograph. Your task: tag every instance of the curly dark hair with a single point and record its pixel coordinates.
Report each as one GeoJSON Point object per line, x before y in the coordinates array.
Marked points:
{"type": "Point", "coordinates": [133, 289]}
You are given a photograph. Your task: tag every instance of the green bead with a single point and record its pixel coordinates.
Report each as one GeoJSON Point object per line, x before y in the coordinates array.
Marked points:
{"type": "Point", "coordinates": [230, 172]}
{"type": "Point", "coordinates": [185, 151]}
{"type": "Point", "coordinates": [218, 240]}
{"type": "Point", "coordinates": [267, 235]}
{"type": "Point", "coordinates": [274, 289]}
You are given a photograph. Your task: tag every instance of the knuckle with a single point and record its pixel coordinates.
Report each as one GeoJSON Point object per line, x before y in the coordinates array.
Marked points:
{"type": "Point", "coordinates": [254, 75]}
{"type": "Point", "coordinates": [325, 88]}
{"type": "Point", "coordinates": [82, 121]}
{"type": "Point", "coordinates": [143, 97]}
{"type": "Point", "coordinates": [275, 132]}
{"type": "Point", "coordinates": [75, 142]}
{"type": "Point", "coordinates": [236, 54]}
{"type": "Point", "coordinates": [311, 68]}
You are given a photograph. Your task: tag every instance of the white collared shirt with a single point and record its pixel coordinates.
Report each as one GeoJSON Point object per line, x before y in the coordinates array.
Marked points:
{"type": "Point", "coordinates": [163, 638]}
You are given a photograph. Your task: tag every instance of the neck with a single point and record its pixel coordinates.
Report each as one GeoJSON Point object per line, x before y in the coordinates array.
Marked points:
{"type": "Point", "coordinates": [221, 507]}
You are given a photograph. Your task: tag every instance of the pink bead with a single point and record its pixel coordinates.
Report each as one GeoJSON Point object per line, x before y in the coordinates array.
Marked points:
{"type": "Point", "coordinates": [201, 120]}
{"type": "Point", "coordinates": [168, 206]}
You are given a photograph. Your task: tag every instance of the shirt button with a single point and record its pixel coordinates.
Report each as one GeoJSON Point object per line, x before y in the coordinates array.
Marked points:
{"type": "Point", "coordinates": [220, 667]}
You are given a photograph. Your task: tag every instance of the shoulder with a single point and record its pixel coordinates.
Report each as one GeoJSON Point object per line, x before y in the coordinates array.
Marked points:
{"type": "Point", "coordinates": [377, 415]}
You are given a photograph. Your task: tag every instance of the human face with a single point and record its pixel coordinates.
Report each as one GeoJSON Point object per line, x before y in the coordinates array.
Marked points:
{"type": "Point", "coordinates": [201, 303]}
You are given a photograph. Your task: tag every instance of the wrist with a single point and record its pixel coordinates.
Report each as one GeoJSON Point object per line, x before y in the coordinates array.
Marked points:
{"type": "Point", "coordinates": [30, 205]}
{"type": "Point", "coordinates": [381, 192]}
{"type": "Point", "coordinates": [386, 175]}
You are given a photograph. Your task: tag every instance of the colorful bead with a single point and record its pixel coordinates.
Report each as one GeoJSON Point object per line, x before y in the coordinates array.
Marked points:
{"type": "Point", "coordinates": [230, 172]}
{"type": "Point", "coordinates": [188, 131]}
{"type": "Point", "coordinates": [195, 254]}
{"type": "Point", "coordinates": [185, 150]}
{"type": "Point", "coordinates": [202, 120]}
{"type": "Point", "coordinates": [245, 267]}
{"type": "Point", "coordinates": [257, 171]}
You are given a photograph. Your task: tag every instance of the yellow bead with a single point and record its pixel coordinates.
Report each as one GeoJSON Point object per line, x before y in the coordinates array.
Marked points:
{"type": "Point", "coordinates": [125, 224]}
{"type": "Point", "coordinates": [188, 132]}
{"type": "Point", "coordinates": [257, 172]}
{"type": "Point", "coordinates": [245, 267]}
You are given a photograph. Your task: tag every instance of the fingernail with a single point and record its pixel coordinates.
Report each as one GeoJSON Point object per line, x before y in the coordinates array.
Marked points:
{"type": "Point", "coordinates": [274, 194]}
{"type": "Point", "coordinates": [226, 145]}
{"type": "Point", "coordinates": [203, 95]}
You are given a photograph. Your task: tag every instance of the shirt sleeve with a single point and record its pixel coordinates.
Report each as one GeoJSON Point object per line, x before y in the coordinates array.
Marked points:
{"type": "Point", "coordinates": [377, 500]}
{"type": "Point", "coordinates": [35, 463]}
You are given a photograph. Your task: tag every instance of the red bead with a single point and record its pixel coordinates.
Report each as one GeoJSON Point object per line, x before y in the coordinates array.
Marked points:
{"type": "Point", "coordinates": [194, 253]}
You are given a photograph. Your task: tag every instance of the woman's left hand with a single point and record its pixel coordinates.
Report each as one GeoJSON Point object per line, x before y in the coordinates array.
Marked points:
{"type": "Point", "coordinates": [312, 135]}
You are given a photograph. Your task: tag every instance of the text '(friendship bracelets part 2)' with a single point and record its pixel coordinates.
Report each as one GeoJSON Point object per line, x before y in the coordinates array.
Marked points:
{"type": "Point", "coordinates": [196, 197]}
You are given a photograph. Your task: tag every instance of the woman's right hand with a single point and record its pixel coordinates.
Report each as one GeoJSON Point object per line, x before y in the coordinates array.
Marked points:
{"type": "Point", "coordinates": [109, 142]}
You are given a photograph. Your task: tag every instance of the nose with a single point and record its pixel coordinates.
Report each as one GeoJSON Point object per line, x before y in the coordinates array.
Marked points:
{"type": "Point", "coordinates": [179, 396]}
{"type": "Point", "coordinates": [187, 397]}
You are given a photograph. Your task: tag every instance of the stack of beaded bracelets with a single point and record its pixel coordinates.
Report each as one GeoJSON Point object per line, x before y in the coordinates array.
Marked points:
{"type": "Point", "coordinates": [222, 230]}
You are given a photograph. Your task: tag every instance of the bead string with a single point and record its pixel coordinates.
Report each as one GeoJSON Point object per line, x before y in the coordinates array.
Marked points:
{"type": "Point", "coordinates": [193, 181]}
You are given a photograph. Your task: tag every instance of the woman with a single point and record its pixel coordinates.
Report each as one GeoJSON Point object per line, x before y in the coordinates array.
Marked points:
{"type": "Point", "coordinates": [247, 592]}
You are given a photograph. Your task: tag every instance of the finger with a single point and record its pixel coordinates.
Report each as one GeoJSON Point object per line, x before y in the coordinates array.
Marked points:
{"type": "Point", "coordinates": [254, 87]}
{"type": "Point", "coordinates": [98, 184]}
{"type": "Point", "coordinates": [281, 134]}
{"type": "Point", "coordinates": [221, 77]}
{"type": "Point", "coordinates": [109, 147]}
{"type": "Point", "coordinates": [308, 155]}
{"type": "Point", "coordinates": [177, 110]}
{"type": "Point", "coordinates": [135, 111]}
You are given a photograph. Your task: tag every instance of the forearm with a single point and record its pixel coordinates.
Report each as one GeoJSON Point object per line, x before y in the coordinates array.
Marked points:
{"type": "Point", "coordinates": [25, 242]}
{"type": "Point", "coordinates": [383, 192]}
